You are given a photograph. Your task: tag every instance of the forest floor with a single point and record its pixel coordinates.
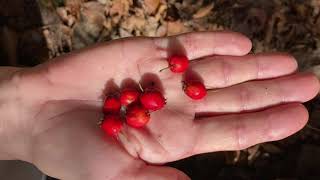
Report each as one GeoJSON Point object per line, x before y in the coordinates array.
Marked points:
{"type": "Point", "coordinates": [55, 27]}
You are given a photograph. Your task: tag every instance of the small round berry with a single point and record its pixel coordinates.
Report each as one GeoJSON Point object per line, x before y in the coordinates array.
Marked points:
{"type": "Point", "coordinates": [152, 100]}
{"type": "Point", "coordinates": [195, 90]}
{"type": "Point", "coordinates": [112, 125]}
{"type": "Point", "coordinates": [137, 116]}
{"type": "Point", "coordinates": [129, 96]}
{"type": "Point", "coordinates": [178, 63]}
{"type": "Point", "coordinates": [111, 105]}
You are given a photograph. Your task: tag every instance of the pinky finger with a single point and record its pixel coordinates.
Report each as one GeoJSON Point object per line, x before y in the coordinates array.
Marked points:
{"type": "Point", "coordinates": [236, 132]}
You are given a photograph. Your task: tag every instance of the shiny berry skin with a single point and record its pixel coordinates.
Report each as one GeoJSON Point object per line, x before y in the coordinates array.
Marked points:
{"type": "Point", "coordinates": [178, 63]}
{"type": "Point", "coordinates": [152, 100]}
{"type": "Point", "coordinates": [137, 116]}
{"type": "Point", "coordinates": [112, 125]}
{"type": "Point", "coordinates": [195, 90]}
{"type": "Point", "coordinates": [129, 96]}
{"type": "Point", "coordinates": [111, 105]}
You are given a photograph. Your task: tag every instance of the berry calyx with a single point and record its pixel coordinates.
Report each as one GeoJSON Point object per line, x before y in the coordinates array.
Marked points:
{"type": "Point", "coordinates": [152, 100]}
{"type": "Point", "coordinates": [129, 96]}
{"type": "Point", "coordinates": [112, 125]}
{"type": "Point", "coordinates": [195, 90]}
{"type": "Point", "coordinates": [137, 116]}
{"type": "Point", "coordinates": [178, 63]}
{"type": "Point", "coordinates": [111, 105]}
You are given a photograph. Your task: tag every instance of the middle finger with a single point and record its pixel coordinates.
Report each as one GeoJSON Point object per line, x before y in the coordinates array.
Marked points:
{"type": "Point", "coordinates": [223, 71]}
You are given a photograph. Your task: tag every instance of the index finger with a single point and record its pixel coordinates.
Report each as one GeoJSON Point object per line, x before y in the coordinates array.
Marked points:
{"type": "Point", "coordinates": [93, 64]}
{"type": "Point", "coordinates": [199, 44]}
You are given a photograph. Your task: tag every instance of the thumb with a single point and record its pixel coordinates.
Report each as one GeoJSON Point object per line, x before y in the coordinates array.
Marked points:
{"type": "Point", "coordinates": [161, 173]}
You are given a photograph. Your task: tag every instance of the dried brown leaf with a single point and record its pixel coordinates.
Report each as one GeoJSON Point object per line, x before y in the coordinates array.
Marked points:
{"type": "Point", "coordinates": [120, 7]}
{"type": "Point", "coordinates": [176, 27]}
{"type": "Point", "coordinates": [103, 1]}
{"type": "Point", "coordinates": [133, 22]}
{"type": "Point", "coordinates": [204, 11]}
{"type": "Point", "coordinates": [161, 13]}
{"type": "Point", "coordinates": [107, 24]}
{"type": "Point", "coordinates": [74, 7]}
{"type": "Point", "coordinates": [93, 12]}
{"type": "Point", "coordinates": [124, 33]}
{"type": "Point", "coordinates": [162, 30]}
{"type": "Point", "coordinates": [62, 12]}
{"type": "Point", "coordinates": [151, 6]}
{"type": "Point", "coordinates": [151, 26]}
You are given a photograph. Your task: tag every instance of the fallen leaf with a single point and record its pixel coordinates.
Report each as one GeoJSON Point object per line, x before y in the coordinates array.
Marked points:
{"type": "Point", "coordinates": [124, 33]}
{"type": "Point", "coordinates": [162, 30]}
{"type": "Point", "coordinates": [133, 23]}
{"type": "Point", "coordinates": [74, 7]}
{"type": "Point", "coordinates": [103, 1]}
{"type": "Point", "coordinates": [62, 12]}
{"type": "Point", "coordinates": [151, 6]}
{"type": "Point", "coordinates": [204, 11]}
{"type": "Point", "coordinates": [161, 13]}
{"type": "Point", "coordinates": [120, 7]}
{"type": "Point", "coordinates": [93, 12]}
{"type": "Point", "coordinates": [176, 27]}
{"type": "Point", "coordinates": [107, 24]}
{"type": "Point", "coordinates": [151, 26]}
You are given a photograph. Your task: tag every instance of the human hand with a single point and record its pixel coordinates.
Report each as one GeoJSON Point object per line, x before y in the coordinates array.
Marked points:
{"type": "Point", "coordinates": [53, 115]}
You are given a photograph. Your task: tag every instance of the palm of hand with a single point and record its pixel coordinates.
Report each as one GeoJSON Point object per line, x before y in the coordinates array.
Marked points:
{"type": "Point", "coordinates": [68, 144]}
{"type": "Point", "coordinates": [73, 125]}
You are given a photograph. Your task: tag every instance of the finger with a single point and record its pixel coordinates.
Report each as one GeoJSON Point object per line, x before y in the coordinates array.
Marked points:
{"type": "Point", "coordinates": [84, 74]}
{"type": "Point", "coordinates": [223, 71]}
{"type": "Point", "coordinates": [160, 173]}
{"type": "Point", "coordinates": [260, 94]}
{"type": "Point", "coordinates": [235, 132]}
{"type": "Point", "coordinates": [200, 44]}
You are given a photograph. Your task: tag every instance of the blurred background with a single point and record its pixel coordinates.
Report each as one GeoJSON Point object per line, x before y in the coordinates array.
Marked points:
{"type": "Point", "coordinates": [35, 31]}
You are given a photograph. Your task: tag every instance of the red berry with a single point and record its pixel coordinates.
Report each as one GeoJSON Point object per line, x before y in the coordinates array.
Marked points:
{"type": "Point", "coordinates": [152, 100]}
{"type": "Point", "coordinates": [195, 90]}
{"type": "Point", "coordinates": [129, 96]}
{"type": "Point", "coordinates": [111, 105]}
{"type": "Point", "coordinates": [112, 125]}
{"type": "Point", "coordinates": [178, 63]}
{"type": "Point", "coordinates": [137, 116]}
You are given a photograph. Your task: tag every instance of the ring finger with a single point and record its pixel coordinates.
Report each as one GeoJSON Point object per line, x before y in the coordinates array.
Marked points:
{"type": "Point", "coordinates": [260, 94]}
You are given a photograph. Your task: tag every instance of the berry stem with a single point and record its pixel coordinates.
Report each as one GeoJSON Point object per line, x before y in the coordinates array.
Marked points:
{"type": "Point", "coordinates": [165, 68]}
{"type": "Point", "coordinates": [140, 87]}
{"type": "Point", "coordinates": [139, 69]}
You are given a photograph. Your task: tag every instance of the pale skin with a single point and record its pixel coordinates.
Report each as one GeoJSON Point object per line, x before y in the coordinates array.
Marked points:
{"type": "Point", "coordinates": [49, 113]}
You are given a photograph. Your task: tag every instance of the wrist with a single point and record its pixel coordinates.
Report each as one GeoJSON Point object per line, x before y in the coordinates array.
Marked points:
{"type": "Point", "coordinates": [6, 72]}
{"type": "Point", "coordinates": [13, 140]}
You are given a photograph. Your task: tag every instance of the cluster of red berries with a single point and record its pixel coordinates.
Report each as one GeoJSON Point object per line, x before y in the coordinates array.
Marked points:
{"type": "Point", "coordinates": [133, 107]}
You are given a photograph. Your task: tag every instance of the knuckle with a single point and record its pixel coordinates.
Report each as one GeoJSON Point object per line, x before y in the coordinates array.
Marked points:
{"type": "Point", "coordinates": [244, 97]}
{"type": "Point", "coordinates": [240, 142]}
{"type": "Point", "coordinates": [226, 71]}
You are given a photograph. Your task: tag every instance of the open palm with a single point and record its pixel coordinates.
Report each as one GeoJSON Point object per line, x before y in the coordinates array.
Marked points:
{"type": "Point", "coordinates": [252, 99]}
